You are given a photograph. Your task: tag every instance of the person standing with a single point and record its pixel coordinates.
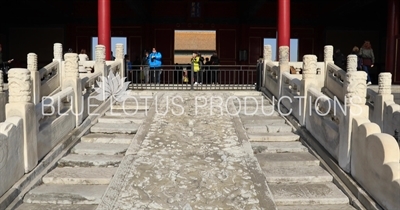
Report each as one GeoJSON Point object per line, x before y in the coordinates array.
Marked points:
{"type": "Point", "coordinates": [196, 65]}
{"type": "Point", "coordinates": [145, 67]}
{"type": "Point", "coordinates": [368, 58]}
{"type": "Point", "coordinates": [155, 64]}
{"type": "Point", "coordinates": [214, 60]}
{"type": "Point", "coordinates": [4, 65]}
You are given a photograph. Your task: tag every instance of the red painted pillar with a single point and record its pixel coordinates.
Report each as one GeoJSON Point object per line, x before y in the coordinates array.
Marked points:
{"type": "Point", "coordinates": [392, 32]}
{"type": "Point", "coordinates": [104, 30]}
{"type": "Point", "coordinates": [283, 23]}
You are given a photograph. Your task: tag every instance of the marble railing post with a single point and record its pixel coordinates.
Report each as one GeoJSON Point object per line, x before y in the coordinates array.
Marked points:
{"type": "Point", "coordinates": [20, 105]}
{"type": "Point", "coordinates": [58, 56]}
{"type": "Point", "coordinates": [307, 81]}
{"type": "Point", "coordinates": [351, 64]}
{"type": "Point", "coordinates": [283, 65]}
{"type": "Point", "coordinates": [3, 99]}
{"type": "Point", "coordinates": [71, 79]}
{"type": "Point", "coordinates": [355, 89]}
{"type": "Point", "coordinates": [100, 62]}
{"type": "Point", "coordinates": [119, 56]}
{"type": "Point", "coordinates": [267, 58]}
{"type": "Point", "coordinates": [328, 58]}
{"type": "Point", "coordinates": [384, 95]}
{"type": "Point", "coordinates": [35, 77]}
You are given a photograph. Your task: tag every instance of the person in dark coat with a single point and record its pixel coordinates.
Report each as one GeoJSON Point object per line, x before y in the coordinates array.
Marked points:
{"type": "Point", "coordinates": [214, 60]}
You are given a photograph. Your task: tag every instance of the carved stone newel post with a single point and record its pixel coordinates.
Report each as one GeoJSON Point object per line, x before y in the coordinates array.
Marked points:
{"type": "Point", "coordinates": [72, 79]}
{"type": "Point", "coordinates": [3, 99]}
{"type": "Point", "coordinates": [35, 77]}
{"type": "Point", "coordinates": [328, 58]}
{"type": "Point", "coordinates": [58, 56]}
{"type": "Point", "coordinates": [355, 89]}
{"type": "Point", "coordinates": [119, 56]}
{"type": "Point", "coordinates": [283, 65]}
{"type": "Point", "coordinates": [267, 58]}
{"type": "Point", "coordinates": [20, 105]}
{"type": "Point", "coordinates": [384, 95]}
{"type": "Point", "coordinates": [100, 62]}
{"type": "Point", "coordinates": [351, 63]}
{"type": "Point", "coordinates": [308, 80]}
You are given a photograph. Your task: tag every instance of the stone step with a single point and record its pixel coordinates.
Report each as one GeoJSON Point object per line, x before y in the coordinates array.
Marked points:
{"type": "Point", "coordinates": [251, 101]}
{"type": "Point", "coordinates": [286, 159]}
{"type": "Point", "coordinates": [138, 101]}
{"type": "Point", "coordinates": [277, 147]}
{"type": "Point", "coordinates": [263, 137]}
{"type": "Point", "coordinates": [130, 108]}
{"type": "Point", "coordinates": [66, 194]}
{"type": "Point", "coordinates": [318, 207]}
{"type": "Point", "coordinates": [323, 193]}
{"type": "Point", "coordinates": [106, 138]}
{"type": "Point", "coordinates": [261, 120]}
{"type": "Point", "coordinates": [250, 111]}
{"type": "Point", "coordinates": [272, 128]}
{"type": "Point", "coordinates": [125, 128]}
{"type": "Point", "coordinates": [127, 114]}
{"type": "Point", "coordinates": [121, 119]}
{"type": "Point", "coordinates": [84, 148]}
{"type": "Point", "coordinates": [296, 174]}
{"type": "Point", "coordinates": [78, 160]}
{"type": "Point", "coordinates": [38, 206]}
{"type": "Point", "coordinates": [78, 175]}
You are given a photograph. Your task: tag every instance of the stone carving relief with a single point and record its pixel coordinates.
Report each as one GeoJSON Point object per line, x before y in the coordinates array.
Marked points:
{"type": "Point", "coordinates": [309, 66]}
{"type": "Point", "coordinates": [284, 55]}
{"type": "Point", "coordinates": [352, 63]}
{"type": "Point", "coordinates": [57, 51]}
{"type": "Point", "coordinates": [71, 65]}
{"type": "Point", "coordinates": [328, 53]}
{"type": "Point", "coordinates": [356, 87]}
{"type": "Point", "coordinates": [119, 54]}
{"type": "Point", "coordinates": [100, 53]}
{"type": "Point", "coordinates": [32, 62]}
{"type": "Point", "coordinates": [19, 85]}
{"type": "Point", "coordinates": [385, 83]}
{"type": "Point", "coordinates": [267, 52]}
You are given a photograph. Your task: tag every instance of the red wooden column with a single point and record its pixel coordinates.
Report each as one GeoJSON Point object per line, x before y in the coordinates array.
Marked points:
{"type": "Point", "coordinates": [283, 23]}
{"type": "Point", "coordinates": [392, 32]}
{"type": "Point", "coordinates": [104, 30]}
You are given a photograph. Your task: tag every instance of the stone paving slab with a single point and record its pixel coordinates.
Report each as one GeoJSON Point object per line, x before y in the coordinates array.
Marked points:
{"type": "Point", "coordinates": [120, 120]}
{"type": "Point", "coordinates": [66, 194]}
{"type": "Point", "coordinates": [307, 194]}
{"type": "Point", "coordinates": [297, 174]}
{"type": "Point", "coordinates": [272, 128]}
{"type": "Point", "coordinates": [278, 147]}
{"type": "Point", "coordinates": [193, 161]}
{"type": "Point", "coordinates": [123, 128]}
{"type": "Point", "coordinates": [127, 114]}
{"type": "Point", "coordinates": [261, 136]}
{"type": "Point", "coordinates": [264, 120]}
{"type": "Point", "coordinates": [79, 175]}
{"type": "Point", "coordinates": [79, 160]}
{"type": "Point", "coordinates": [34, 206]}
{"type": "Point", "coordinates": [107, 138]}
{"type": "Point", "coordinates": [99, 149]}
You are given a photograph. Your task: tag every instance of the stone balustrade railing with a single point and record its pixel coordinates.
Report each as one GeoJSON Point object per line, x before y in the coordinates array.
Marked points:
{"type": "Point", "coordinates": [40, 113]}
{"type": "Point", "coordinates": [337, 115]}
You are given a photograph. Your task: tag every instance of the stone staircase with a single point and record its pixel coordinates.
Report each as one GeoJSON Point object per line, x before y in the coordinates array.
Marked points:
{"type": "Point", "coordinates": [81, 177]}
{"type": "Point", "coordinates": [294, 176]}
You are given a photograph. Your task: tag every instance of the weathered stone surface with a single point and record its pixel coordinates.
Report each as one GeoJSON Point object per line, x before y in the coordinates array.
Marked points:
{"type": "Point", "coordinates": [318, 207]}
{"type": "Point", "coordinates": [263, 120]}
{"type": "Point", "coordinates": [120, 119]}
{"type": "Point", "coordinates": [107, 138]}
{"type": "Point", "coordinates": [307, 194]}
{"type": "Point", "coordinates": [115, 128]}
{"type": "Point", "coordinates": [66, 194]}
{"type": "Point", "coordinates": [271, 128]}
{"type": "Point", "coordinates": [277, 147]}
{"type": "Point", "coordinates": [78, 160]}
{"type": "Point", "coordinates": [287, 159]}
{"type": "Point", "coordinates": [34, 206]}
{"type": "Point", "coordinates": [79, 175]}
{"type": "Point", "coordinates": [131, 107]}
{"type": "Point", "coordinates": [191, 161]}
{"type": "Point", "coordinates": [99, 149]}
{"type": "Point", "coordinates": [260, 136]}
{"type": "Point", "coordinates": [127, 113]}
{"type": "Point", "coordinates": [296, 174]}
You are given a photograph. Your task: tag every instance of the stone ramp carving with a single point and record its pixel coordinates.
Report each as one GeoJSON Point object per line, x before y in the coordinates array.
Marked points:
{"type": "Point", "coordinates": [81, 177]}
{"type": "Point", "coordinates": [192, 161]}
{"type": "Point", "coordinates": [294, 176]}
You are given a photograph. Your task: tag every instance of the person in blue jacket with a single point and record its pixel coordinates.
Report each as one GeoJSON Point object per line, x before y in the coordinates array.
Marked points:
{"type": "Point", "coordinates": [155, 65]}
